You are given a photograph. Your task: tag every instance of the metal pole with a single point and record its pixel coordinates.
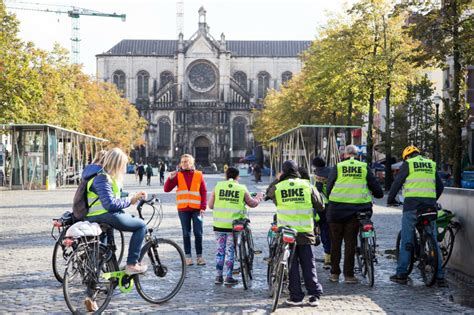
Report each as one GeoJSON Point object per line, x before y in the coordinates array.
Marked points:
{"type": "Point", "coordinates": [437, 150]}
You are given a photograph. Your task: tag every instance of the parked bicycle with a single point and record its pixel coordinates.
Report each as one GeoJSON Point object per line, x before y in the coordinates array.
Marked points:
{"type": "Point", "coordinates": [425, 249]}
{"type": "Point", "coordinates": [447, 229]}
{"type": "Point", "coordinates": [366, 249]}
{"type": "Point", "coordinates": [272, 240]}
{"type": "Point", "coordinates": [93, 265]}
{"type": "Point", "coordinates": [61, 253]}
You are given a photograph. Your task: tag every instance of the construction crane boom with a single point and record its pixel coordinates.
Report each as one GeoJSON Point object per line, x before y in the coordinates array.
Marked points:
{"type": "Point", "coordinates": [73, 12]}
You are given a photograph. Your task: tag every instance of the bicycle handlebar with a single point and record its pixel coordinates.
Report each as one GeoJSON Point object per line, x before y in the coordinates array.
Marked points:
{"type": "Point", "coordinates": [150, 201]}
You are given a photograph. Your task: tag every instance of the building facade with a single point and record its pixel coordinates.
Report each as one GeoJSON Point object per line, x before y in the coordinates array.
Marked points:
{"type": "Point", "coordinates": [199, 95]}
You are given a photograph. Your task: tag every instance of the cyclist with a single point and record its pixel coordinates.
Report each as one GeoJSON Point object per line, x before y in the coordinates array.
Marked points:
{"type": "Point", "coordinates": [349, 187]}
{"type": "Point", "coordinates": [229, 200]}
{"type": "Point", "coordinates": [422, 186]}
{"type": "Point", "coordinates": [296, 202]}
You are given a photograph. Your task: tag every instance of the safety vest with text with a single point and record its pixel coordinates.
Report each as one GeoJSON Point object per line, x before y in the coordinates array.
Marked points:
{"type": "Point", "coordinates": [189, 197]}
{"type": "Point", "coordinates": [229, 203]}
{"type": "Point", "coordinates": [421, 180]}
{"type": "Point", "coordinates": [294, 206]}
{"type": "Point", "coordinates": [351, 183]}
{"type": "Point", "coordinates": [96, 208]}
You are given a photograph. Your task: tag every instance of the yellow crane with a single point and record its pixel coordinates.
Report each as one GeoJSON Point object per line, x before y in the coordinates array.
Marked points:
{"type": "Point", "coordinates": [73, 12]}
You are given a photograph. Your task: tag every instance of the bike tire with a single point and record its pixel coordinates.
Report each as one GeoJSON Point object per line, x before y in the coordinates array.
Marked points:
{"type": "Point", "coordinates": [60, 258]}
{"type": "Point", "coordinates": [250, 252]}
{"type": "Point", "coordinates": [428, 259]}
{"type": "Point", "coordinates": [446, 245]}
{"type": "Point", "coordinates": [397, 251]}
{"type": "Point", "coordinates": [164, 258]}
{"type": "Point", "coordinates": [278, 284]}
{"type": "Point", "coordinates": [76, 274]}
{"type": "Point", "coordinates": [243, 258]}
{"type": "Point", "coordinates": [120, 247]}
{"type": "Point", "coordinates": [369, 247]}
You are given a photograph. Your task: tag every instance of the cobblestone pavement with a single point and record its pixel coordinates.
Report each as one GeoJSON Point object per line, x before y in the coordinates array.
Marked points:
{"type": "Point", "coordinates": [28, 285]}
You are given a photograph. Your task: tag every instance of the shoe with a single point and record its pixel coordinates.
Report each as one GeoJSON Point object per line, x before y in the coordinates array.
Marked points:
{"type": "Point", "coordinates": [402, 279]}
{"type": "Point", "coordinates": [189, 262]}
{"type": "Point", "coordinates": [200, 261]}
{"type": "Point", "coordinates": [333, 277]}
{"type": "Point", "coordinates": [313, 300]}
{"type": "Point", "coordinates": [442, 283]}
{"type": "Point", "coordinates": [292, 302]}
{"type": "Point", "coordinates": [236, 271]}
{"type": "Point", "coordinates": [230, 281]}
{"type": "Point", "coordinates": [351, 280]}
{"type": "Point", "coordinates": [135, 269]}
{"type": "Point", "coordinates": [90, 304]}
{"type": "Point", "coordinates": [219, 280]}
{"type": "Point", "coordinates": [327, 261]}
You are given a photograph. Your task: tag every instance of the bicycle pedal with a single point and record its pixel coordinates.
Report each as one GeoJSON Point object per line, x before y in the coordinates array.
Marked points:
{"type": "Point", "coordinates": [257, 252]}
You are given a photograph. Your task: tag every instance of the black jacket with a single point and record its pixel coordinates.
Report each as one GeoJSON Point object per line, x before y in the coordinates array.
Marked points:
{"type": "Point", "coordinates": [341, 212]}
{"type": "Point", "coordinates": [412, 203]}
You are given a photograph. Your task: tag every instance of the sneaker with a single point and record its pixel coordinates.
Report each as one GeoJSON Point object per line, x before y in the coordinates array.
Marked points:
{"type": "Point", "coordinates": [333, 277]}
{"type": "Point", "coordinates": [135, 269]}
{"type": "Point", "coordinates": [350, 280]}
{"type": "Point", "coordinates": [236, 271]}
{"type": "Point", "coordinates": [219, 280]}
{"type": "Point", "coordinates": [442, 283]}
{"type": "Point", "coordinates": [230, 281]}
{"type": "Point", "coordinates": [189, 261]}
{"type": "Point", "coordinates": [327, 261]}
{"type": "Point", "coordinates": [90, 304]}
{"type": "Point", "coordinates": [200, 261]}
{"type": "Point", "coordinates": [292, 302]}
{"type": "Point", "coordinates": [402, 279]}
{"type": "Point", "coordinates": [313, 300]}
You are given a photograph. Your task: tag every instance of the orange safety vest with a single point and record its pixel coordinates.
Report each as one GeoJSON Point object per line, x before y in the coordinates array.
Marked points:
{"type": "Point", "coordinates": [189, 198]}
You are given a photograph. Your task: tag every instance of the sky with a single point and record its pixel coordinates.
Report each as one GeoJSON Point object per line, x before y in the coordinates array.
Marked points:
{"type": "Point", "coordinates": [156, 19]}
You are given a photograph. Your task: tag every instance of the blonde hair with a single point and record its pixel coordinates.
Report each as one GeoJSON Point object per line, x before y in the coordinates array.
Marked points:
{"type": "Point", "coordinates": [99, 157]}
{"type": "Point", "coordinates": [187, 156]}
{"type": "Point", "coordinates": [115, 163]}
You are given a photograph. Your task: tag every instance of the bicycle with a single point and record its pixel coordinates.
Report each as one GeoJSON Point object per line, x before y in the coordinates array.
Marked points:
{"type": "Point", "coordinates": [366, 250]}
{"type": "Point", "coordinates": [94, 265]}
{"type": "Point", "coordinates": [447, 229]}
{"type": "Point", "coordinates": [281, 265]}
{"type": "Point", "coordinates": [425, 249]}
{"type": "Point", "coordinates": [272, 241]}
{"type": "Point", "coordinates": [244, 248]}
{"type": "Point", "coordinates": [61, 253]}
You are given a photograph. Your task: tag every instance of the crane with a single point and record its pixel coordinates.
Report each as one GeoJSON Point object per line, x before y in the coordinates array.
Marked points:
{"type": "Point", "coordinates": [73, 12]}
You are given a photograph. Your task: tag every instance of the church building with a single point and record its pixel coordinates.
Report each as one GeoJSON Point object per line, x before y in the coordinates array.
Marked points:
{"type": "Point", "coordinates": [199, 95]}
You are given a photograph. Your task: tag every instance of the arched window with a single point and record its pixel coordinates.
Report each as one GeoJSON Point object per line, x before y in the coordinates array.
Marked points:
{"type": "Point", "coordinates": [164, 133]}
{"type": "Point", "coordinates": [119, 80]}
{"type": "Point", "coordinates": [286, 76]}
{"type": "Point", "coordinates": [239, 133]}
{"type": "Point", "coordinates": [143, 79]}
{"type": "Point", "coordinates": [241, 79]}
{"type": "Point", "coordinates": [166, 77]}
{"type": "Point", "coordinates": [263, 84]}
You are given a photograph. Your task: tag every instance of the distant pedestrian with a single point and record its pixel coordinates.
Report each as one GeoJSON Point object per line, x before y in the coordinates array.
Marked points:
{"type": "Point", "coordinates": [140, 172]}
{"type": "Point", "coordinates": [162, 173]}
{"type": "Point", "coordinates": [257, 172]}
{"type": "Point", "coordinates": [149, 174]}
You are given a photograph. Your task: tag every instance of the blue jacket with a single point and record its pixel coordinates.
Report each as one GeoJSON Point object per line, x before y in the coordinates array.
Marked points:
{"type": "Point", "coordinates": [103, 189]}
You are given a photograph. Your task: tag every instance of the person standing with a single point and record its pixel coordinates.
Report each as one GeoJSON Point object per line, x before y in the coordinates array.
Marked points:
{"type": "Point", "coordinates": [162, 173]}
{"type": "Point", "coordinates": [257, 171]}
{"type": "Point", "coordinates": [349, 187]}
{"type": "Point", "coordinates": [140, 172]}
{"type": "Point", "coordinates": [149, 174]}
{"type": "Point", "coordinates": [191, 203]}
{"type": "Point", "coordinates": [298, 213]}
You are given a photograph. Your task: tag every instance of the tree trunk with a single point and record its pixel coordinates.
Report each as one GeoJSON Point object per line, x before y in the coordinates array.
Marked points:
{"type": "Point", "coordinates": [388, 140]}
{"type": "Point", "coordinates": [349, 116]}
{"type": "Point", "coordinates": [370, 143]}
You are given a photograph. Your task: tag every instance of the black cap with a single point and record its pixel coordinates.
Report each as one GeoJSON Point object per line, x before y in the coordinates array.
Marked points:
{"type": "Point", "coordinates": [289, 167]}
{"type": "Point", "coordinates": [319, 162]}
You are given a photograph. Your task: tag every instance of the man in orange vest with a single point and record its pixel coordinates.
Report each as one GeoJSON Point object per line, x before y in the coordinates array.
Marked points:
{"type": "Point", "coordinates": [191, 203]}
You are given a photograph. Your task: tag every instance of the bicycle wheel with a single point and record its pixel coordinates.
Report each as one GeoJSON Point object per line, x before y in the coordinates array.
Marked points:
{"type": "Point", "coordinates": [83, 280]}
{"type": "Point", "coordinates": [359, 260]}
{"type": "Point", "coordinates": [250, 252]}
{"type": "Point", "coordinates": [61, 255]}
{"type": "Point", "coordinates": [428, 259]}
{"type": "Point", "coordinates": [412, 255]}
{"type": "Point", "coordinates": [278, 283]}
{"type": "Point", "coordinates": [369, 251]}
{"type": "Point", "coordinates": [243, 259]}
{"type": "Point", "coordinates": [166, 271]}
{"type": "Point", "coordinates": [119, 245]}
{"type": "Point", "coordinates": [446, 245]}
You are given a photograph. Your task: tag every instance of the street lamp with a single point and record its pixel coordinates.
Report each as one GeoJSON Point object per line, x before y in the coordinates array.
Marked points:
{"type": "Point", "coordinates": [437, 100]}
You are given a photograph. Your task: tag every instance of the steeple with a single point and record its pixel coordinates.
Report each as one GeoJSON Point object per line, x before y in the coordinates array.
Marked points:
{"type": "Point", "coordinates": [202, 20]}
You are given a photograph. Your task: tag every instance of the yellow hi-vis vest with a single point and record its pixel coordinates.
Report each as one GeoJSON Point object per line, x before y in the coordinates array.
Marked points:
{"type": "Point", "coordinates": [96, 208]}
{"type": "Point", "coordinates": [294, 206]}
{"type": "Point", "coordinates": [351, 183]}
{"type": "Point", "coordinates": [421, 180]}
{"type": "Point", "coordinates": [229, 203]}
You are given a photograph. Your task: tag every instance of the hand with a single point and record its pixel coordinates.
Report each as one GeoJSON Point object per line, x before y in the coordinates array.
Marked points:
{"type": "Point", "coordinates": [173, 174]}
{"type": "Point", "coordinates": [202, 212]}
{"type": "Point", "coordinates": [138, 196]}
{"type": "Point", "coordinates": [259, 196]}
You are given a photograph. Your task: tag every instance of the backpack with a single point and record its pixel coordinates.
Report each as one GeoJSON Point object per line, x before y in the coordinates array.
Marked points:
{"type": "Point", "coordinates": [80, 206]}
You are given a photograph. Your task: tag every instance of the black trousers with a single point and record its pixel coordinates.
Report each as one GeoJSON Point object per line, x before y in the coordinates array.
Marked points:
{"type": "Point", "coordinates": [346, 231]}
{"type": "Point", "coordinates": [303, 256]}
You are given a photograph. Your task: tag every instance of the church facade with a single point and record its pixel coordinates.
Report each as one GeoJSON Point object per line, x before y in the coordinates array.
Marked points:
{"type": "Point", "coordinates": [199, 95]}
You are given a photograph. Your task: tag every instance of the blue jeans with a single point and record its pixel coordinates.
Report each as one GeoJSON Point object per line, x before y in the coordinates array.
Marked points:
{"type": "Point", "coordinates": [125, 222]}
{"type": "Point", "coordinates": [186, 217]}
{"type": "Point", "coordinates": [407, 240]}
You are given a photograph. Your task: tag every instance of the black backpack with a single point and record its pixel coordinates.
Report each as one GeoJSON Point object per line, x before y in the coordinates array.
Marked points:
{"type": "Point", "coordinates": [80, 206]}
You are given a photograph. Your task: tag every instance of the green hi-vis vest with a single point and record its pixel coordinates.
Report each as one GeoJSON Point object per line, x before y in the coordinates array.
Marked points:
{"type": "Point", "coordinates": [229, 203]}
{"type": "Point", "coordinates": [294, 206]}
{"type": "Point", "coordinates": [351, 183]}
{"type": "Point", "coordinates": [421, 180]}
{"type": "Point", "coordinates": [96, 208]}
